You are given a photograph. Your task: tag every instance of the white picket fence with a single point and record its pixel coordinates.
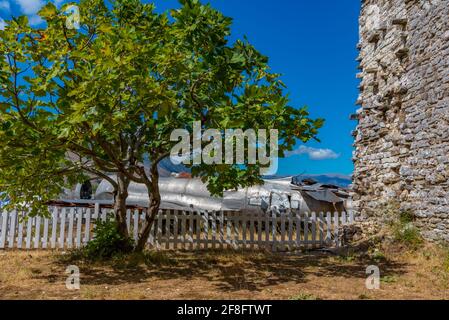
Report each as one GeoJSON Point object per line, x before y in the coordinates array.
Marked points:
{"type": "Point", "coordinates": [73, 227]}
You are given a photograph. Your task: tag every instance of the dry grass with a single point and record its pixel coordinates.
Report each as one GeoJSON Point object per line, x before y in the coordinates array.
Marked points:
{"type": "Point", "coordinates": [421, 274]}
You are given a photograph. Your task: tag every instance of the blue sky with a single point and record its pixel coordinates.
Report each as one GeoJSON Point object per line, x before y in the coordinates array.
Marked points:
{"type": "Point", "coordinates": [313, 44]}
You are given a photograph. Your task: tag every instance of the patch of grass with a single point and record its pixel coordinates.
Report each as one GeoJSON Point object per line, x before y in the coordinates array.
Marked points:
{"type": "Point", "coordinates": [403, 229]}
{"type": "Point", "coordinates": [408, 234]}
{"type": "Point", "coordinates": [158, 258]}
{"type": "Point", "coordinates": [364, 297]}
{"type": "Point", "coordinates": [378, 255]}
{"type": "Point", "coordinates": [406, 216]}
{"type": "Point", "coordinates": [347, 256]}
{"type": "Point", "coordinates": [388, 279]}
{"type": "Point", "coordinates": [304, 296]}
{"type": "Point", "coordinates": [446, 261]}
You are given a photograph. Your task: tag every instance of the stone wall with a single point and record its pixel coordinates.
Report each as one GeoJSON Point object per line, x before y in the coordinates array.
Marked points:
{"type": "Point", "coordinates": [402, 138]}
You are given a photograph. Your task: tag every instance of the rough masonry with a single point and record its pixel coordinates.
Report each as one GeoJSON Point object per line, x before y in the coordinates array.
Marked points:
{"type": "Point", "coordinates": [402, 137]}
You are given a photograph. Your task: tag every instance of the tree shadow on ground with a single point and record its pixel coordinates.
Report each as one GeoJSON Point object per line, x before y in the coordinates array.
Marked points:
{"type": "Point", "coordinates": [228, 271]}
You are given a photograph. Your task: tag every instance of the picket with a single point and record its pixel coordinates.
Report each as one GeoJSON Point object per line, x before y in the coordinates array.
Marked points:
{"type": "Point", "coordinates": [20, 230]}
{"type": "Point", "coordinates": [321, 228]}
{"type": "Point", "coordinates": [328, 229]}
{"type": "Point", "coordinates": [290, 232]}
{"type": "Point", "coordinates": [336, 228]}
{"type": "Point", "coordinates": [87, 227]}
{"type": "Point", "coordinates": [228, 231]}
{"type": "Point", "coordinates": [298, 229]}
{"type": "Point", "coordinates": [306, 229]}
{"type": "Point", "coordinates": [12, 229]}
{"type": "Point", "coordinates": [159, 230]}
{"type": "Point", "coordinates": [54, 227]}
{"type": "Point", "coordinates": [136, 224]}
{"type": "Point", "coordinates": [313, 218]}
{"type": "Point", "coordinates": [45, 237]}
{"type": "Point", "coordinates": [167, 219]}
{"type": "Point", "coordinates": [78, 227]}
{"type": "Point", "coordinates": [4, 229]}
{"type": "Point", "coordinates": [282, 232]}
{"type": "Point", "coordinates": [191, 217]}
{"type": "Point", "coordinates": [37, 232]}
{"type": "Point", "coordinates": [273, 231]}
{"type": "Point", "coordinates": [221, 233]}
{"type": "Point", "coordinates": [175, 229]}
{"type": "Point", "coordinates": [62, 229]}
{"type": "Point", "coordinates": [70, 231]}
{"type": "Point", "coordinates": [206, 229]}
{"type": "Point", "coordinates": [28, 232]}
{"type": "Point", "coordinates": [198, 230]}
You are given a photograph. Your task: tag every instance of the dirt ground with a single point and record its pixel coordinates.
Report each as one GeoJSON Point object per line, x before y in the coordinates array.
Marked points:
{"type": "Point", "coordinates": [421, 274]}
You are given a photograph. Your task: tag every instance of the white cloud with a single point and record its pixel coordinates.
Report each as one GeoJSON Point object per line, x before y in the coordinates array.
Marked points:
{"type": "Point", "coordinates": [315, 153]}
{"type": "Point", "coordinates": [5, 6]}
{"type": "Point", "coordinates": [30, 7]}
{"type": "Point", "coordinates": [2, 24]}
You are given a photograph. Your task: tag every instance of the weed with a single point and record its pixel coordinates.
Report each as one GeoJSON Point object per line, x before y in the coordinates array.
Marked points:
{"type": "Point", "coordinates": [107, 244]}
{"type": "Point", "coordinates": [446, 261]}
{"type": "Point", "coordinates": [388, 279]}
{"type": "Point", "coordinates": [378, 255]}
{"type": "Point", "coordinates": [304, 296]}
{"type": "Point", "coordinates": [408, 234]}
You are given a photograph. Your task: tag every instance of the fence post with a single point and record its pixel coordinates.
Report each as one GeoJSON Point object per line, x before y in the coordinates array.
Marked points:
{"type": "Point", "coordinates": [54, 227]}
{"type": "Point", "coordinates": [136, 218]}
{"type": "Point", "coordinates": [45, 238]}
{"type": "Point", "coordinates": [191, 216]}
{"type": "Point", "coordinates": [306, 230]}
{"type": "Point", "coordinates": [37, 231]}
{"type": "Point", "coordinates": [298, 229]}
{"type": "Point", "coordinates": [328, 228]}
{"type": "Point", "coordinates": [78, 227]}
{"type": "Point", "coordinates": [251, 230]}
{"type": "Point", "coordinates": [221, 222]}
{"type": "Point", "coordinates": [244, 221]}
{"type": "Point", "coordinates": [228, 229]}
{"type": "Point", "coordinates": [168, 216]}
{"type": "Point", "coordinates": [314, 223]}
{"type": "Point", "coordinates": [97, 211]}
{"type": "Point", "coordinates": [351, 216]}
{"type": "Point", "coordinates": [198, 229]}
{"type": "Point", "coordinates": [62, 229]}
{"type": "Point", "coordinates": [12, 230]}
{"type": "Point", "coordinates": [236, 229]}
{"type": "Point", "coordinates": [290, 229]}
{"type": "Point", "coordinates": [282, 231]}
{"type": "Point", "coordinates": [336, 233]}
{"type": "Point", "coordinates": [4, 228]}
{"type": "Point", "coordinates": [70, 231]}
{"type": "Point", "coordinates": [273, 230]}
{"type": "Point", "coordinates": [87, 226]}
{"type": "Point", "coordinates": [321, 228]}
{"type": "Point", "coordinates": [259, 230]}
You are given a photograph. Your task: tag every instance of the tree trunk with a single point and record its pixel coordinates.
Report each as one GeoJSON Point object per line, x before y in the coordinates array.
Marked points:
{"type": "Point", "coordinates": [151, 213]}
{"type": "Point", "coordinates": [120, 205]}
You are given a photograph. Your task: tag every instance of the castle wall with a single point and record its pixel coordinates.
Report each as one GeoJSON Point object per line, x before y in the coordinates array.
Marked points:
{"type": "Point", "coordinates": [402, 137]}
